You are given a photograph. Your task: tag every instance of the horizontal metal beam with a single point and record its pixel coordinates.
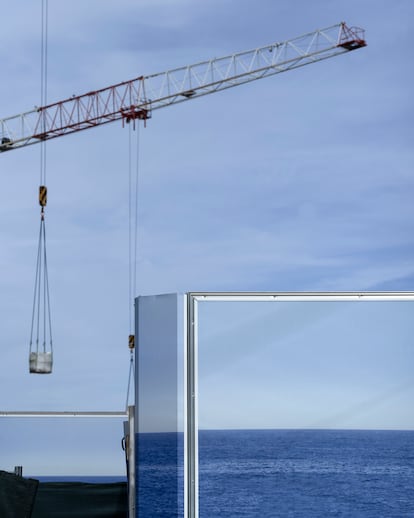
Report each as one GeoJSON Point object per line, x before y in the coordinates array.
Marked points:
{"type": "Point", "coordinates": [304, 296]}
{"type": "Point", "coordinates": [50, 413]}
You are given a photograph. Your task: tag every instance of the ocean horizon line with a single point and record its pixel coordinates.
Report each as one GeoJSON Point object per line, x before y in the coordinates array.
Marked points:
{"type": "Point", "coordinates": [309, 428]}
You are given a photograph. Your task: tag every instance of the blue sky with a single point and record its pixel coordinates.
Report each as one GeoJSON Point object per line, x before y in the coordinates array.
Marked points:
{"type": "Point", "coordinates": [306, 365]}
{"type": "Point", "coordinates": [302, 181]}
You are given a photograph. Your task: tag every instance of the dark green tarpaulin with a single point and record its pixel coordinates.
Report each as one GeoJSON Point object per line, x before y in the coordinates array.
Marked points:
{"type": "Point", "coordinates": [81, 500]}
{"type": "Point", "coordinates": [17, 495]}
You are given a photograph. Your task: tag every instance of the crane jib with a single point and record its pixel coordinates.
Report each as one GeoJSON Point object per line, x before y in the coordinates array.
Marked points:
{"type": "Point", "coordinates": [134, 100]}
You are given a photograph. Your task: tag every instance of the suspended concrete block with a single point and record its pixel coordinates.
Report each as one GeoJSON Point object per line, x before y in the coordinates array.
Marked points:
{"type": "Point", "coordinates": [41, 363]}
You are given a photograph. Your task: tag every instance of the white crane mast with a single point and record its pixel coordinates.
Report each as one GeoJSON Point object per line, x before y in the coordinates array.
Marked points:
{"type": "Point", "coordinates": [137, 98]}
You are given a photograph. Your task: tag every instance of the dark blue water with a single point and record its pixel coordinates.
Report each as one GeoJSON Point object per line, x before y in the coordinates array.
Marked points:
{"type": "Point", "coordinates": [306, 473]}
{"type": "Point", "coordinates": [160, 475]}
{"type": "Point", "coordinates": [98, 479]}
{"type": "Point", "coordinates": [280, 473]}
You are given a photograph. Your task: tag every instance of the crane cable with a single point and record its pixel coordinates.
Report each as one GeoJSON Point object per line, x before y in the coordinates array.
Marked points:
{"type": "Point", "coordinates": [133, 199]}
{"type": "Point", "coordinates": [41, 361]}
{"type": "Point", "coordinates": [43, 84]}
{"type": "Point", "coordinates": [41, 298]}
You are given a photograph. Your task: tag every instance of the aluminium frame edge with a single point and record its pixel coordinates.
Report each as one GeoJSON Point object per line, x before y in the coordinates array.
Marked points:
{"type": "Point", "coordinates": [192, 408]}
{"type": "Point", "coordinates": [301, 295]}
{"type": "Point", "coordinates": [192, 344]}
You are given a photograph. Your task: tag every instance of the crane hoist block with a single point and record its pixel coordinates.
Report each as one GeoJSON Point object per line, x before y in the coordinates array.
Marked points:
{"type": "Point", "coordinates": [42, 196]}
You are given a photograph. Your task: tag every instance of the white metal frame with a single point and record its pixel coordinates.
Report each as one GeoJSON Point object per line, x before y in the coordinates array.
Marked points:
{"type": "Point", "coordinates": [193, 298]}
{"type": "Point", "coordinates": [69, 413]}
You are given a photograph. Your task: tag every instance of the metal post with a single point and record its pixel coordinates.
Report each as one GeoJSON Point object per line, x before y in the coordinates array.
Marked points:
{"type": "Point", "coordinates": [131, 462]}
{"type": "Point", "coordinates": [192, 431]}
{"type": "Point", "coordinates": [18, 470]}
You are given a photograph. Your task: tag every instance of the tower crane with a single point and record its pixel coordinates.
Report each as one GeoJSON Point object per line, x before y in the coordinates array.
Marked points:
{"type": "Point", "coordinates": [136, 99]}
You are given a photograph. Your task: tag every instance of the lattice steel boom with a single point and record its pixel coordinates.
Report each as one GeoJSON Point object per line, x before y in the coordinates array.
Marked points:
{"type": "Point", "coordinates": [137, 98]}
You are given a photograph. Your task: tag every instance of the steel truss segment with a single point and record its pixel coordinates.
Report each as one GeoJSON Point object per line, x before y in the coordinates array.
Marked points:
{"type": "Point", "coordinates": [137, 98]}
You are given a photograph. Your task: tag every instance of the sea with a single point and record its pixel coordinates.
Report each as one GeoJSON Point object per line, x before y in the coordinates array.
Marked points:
{"type": "Point", "coordinates": [281, 473]}
{"type": "Point", "coordinates": [306, 473]}
{"type": "Point", "coordinates": [90, 479]}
